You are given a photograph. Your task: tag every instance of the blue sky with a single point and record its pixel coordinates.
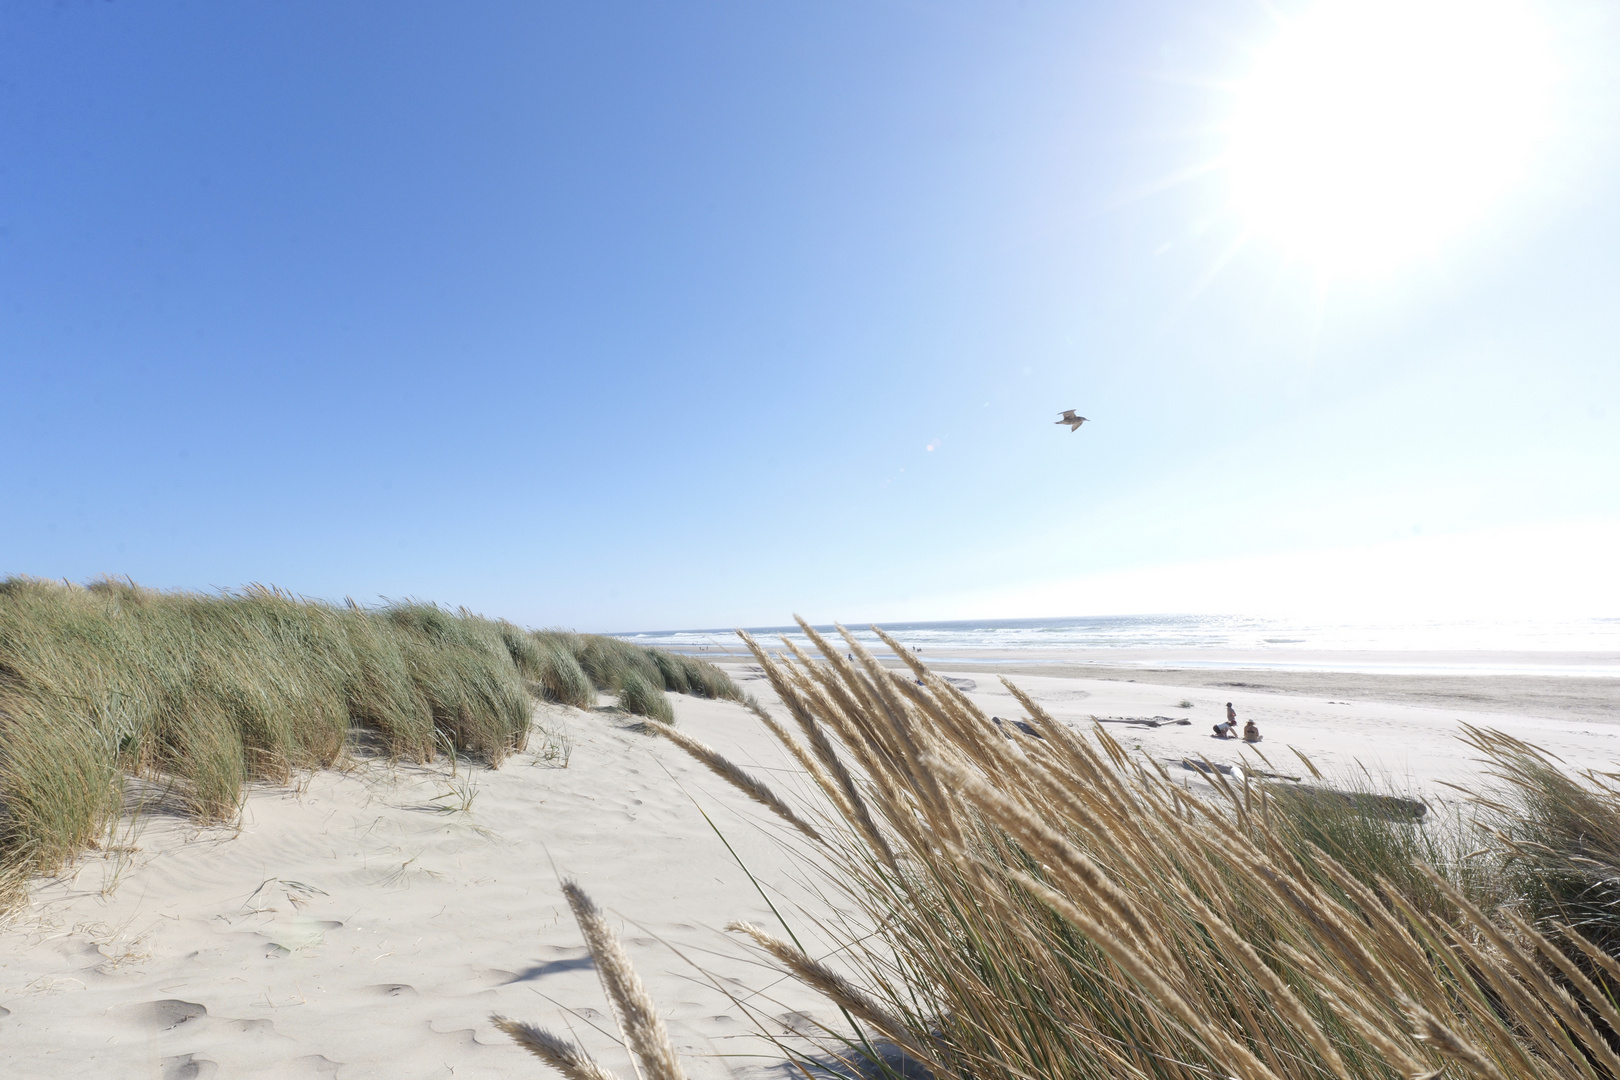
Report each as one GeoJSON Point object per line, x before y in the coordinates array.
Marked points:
{"type": "Point", "coordinates": [641, 316]}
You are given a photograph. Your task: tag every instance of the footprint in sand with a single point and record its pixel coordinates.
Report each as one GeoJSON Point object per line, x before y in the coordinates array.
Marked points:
{"type": "Point", "coordinates": [166, 1015]}
{"type": "Point", "coordinates": [188, 1067]}
{"type": "Point", "coordinates": [251, 1025]}
{"type": "Point", "coordinates": [286, 938]}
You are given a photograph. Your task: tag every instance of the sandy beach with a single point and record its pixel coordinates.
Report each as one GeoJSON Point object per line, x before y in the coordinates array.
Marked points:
{"type": "Point", "coordinates": [1547, 686]}
{"type": "Point", "coordinates": [354, 926]}
{"type": "Point", "coordinates": [361, 924]}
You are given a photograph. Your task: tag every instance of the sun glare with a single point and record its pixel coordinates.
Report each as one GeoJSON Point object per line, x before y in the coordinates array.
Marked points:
{"type": "Point", "coordinates": [1370, 131]}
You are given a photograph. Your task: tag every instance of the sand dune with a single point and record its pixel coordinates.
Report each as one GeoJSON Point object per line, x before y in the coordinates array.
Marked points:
{"type": "Point", "coordinates": [361, 926]}
{"type": "Point", "coordinates": [354, 928]}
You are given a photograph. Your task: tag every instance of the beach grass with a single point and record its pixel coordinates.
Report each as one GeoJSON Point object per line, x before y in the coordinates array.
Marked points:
{"type": "Point", "coordinates": [639, 675]}
{"type": "Point", "coordinates": [209, 692]}
{"type": "Point", "coordinates": [609, 662]}
{"type": "Point", "coordinates": [1560, 835]}
{"type": "Point", "coordinates": [561, 679]}
{"type": "Point", "coordinates": [634, 1011]}
{"type": "Point", "coordinates": [1047, 905]}
{"type": "Point", "coordinates": [641, 698]}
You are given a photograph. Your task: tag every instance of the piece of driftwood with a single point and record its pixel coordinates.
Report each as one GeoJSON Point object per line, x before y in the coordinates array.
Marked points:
{"type": "Point", "coordinates": [1364, 803]}
{"type": "Point", "coordinates": [1144, 721]}
{"type": "Point", "coordinates": [1208, 767]}
{"type": "Point", "coordinates": [1205, 767]}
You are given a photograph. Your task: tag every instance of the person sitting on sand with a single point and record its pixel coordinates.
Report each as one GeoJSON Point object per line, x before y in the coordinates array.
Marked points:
{"type": "Point", "coordinates": [1251, 733]}
{"type": "Point", "coordinates": [1224, 731]}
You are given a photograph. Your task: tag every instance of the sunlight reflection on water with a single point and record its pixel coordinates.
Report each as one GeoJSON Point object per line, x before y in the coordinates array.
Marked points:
{"type": "Point", "coordinates": [1270, 642]}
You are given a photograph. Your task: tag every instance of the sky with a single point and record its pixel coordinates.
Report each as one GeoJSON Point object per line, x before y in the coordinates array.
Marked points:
{"type": "Point", "coordinates": [635, 316]}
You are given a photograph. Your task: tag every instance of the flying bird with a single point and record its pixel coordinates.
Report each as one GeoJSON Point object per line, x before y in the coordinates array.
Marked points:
{"type": "Point", "coordinates": [1072, 420]}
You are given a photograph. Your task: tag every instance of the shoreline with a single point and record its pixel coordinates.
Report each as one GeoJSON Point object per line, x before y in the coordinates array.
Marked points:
{"type": "Point", "coordinates": [1548, 696]}
{"type": "Point", "coordinates": [1553, 662]}
{"type": "Point", "coordinates": [1549, 685]}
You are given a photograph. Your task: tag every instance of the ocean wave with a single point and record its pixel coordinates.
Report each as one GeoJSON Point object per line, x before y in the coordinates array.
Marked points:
{"type": "Point", "coordinates": [1199, 632]}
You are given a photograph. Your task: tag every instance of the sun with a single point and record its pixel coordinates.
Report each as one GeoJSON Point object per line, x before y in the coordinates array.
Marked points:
{"type": "Point", "coordinates": [1369, 132]}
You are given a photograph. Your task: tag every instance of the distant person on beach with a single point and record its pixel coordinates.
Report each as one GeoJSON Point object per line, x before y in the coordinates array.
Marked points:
{"type": "Point", "coordinates": [1224, 731]}
{"type": "Point", "coordinates": [1231, 714]}
{"type": "Point", "coordinates": [1251, 733]}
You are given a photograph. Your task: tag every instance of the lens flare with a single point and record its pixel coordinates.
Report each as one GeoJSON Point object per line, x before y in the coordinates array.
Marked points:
{"type": "Point", "coordinates": [1368, 132]}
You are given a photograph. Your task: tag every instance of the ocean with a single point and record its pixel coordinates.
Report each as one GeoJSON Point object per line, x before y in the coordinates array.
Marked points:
{"type": "Point", "coordinates": [1266, 642]}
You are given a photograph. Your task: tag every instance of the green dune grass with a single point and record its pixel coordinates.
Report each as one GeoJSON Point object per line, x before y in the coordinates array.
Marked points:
{"type": "Point", "coordinates": [211, 692]}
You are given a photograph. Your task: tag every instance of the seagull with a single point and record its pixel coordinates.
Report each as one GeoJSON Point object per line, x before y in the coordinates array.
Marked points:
{"type": "Point", "coordinates": [1072, 420]}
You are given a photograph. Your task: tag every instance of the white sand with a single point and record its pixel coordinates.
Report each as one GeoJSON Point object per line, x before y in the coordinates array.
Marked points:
{"type": "Point", "coordinates": [352, 930]}
{"type": "Point", "coordinates": [348, 929]}
{"type": "Point", "coordinates": [1406, 744]}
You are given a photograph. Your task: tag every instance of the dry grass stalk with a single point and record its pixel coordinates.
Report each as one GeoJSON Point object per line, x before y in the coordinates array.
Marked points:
{"type": "Point", "coordinates": [1278, 991]}
{"type": "Point", "coordinates": [638, 1018]}
{"type": "Point", "coordinates": [1048, 845]}
{"type": "Point", "coordinates": [1351, 1006]}
{"type": "Point", "coordinates": [1534, 988]}
{"type": "Point", "coordinates": [554, 1050]}
{"type": "Point", "coordinates": [1443, 1039]}
{"type": "Point", "coordinates": [837, 988]}
{"type": "Point", "coordinates": [845, 794]}
{"type": "Point", "coordinates": [751, 786]}
{"type": "Point", "coordinates": [1605, 962]}
{"type": "Point", "coordinates": [813, 768]}
{"type": "Point", "coordinates": [1216, 1041]}
{"type": "Point", "coordinates": [844, 715]}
